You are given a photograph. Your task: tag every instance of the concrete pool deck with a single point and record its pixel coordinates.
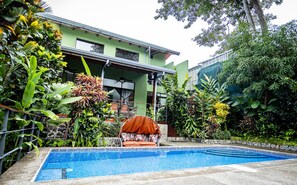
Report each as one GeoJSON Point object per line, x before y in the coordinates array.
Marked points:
{"type": "Point", "coordinates": [272, 172]}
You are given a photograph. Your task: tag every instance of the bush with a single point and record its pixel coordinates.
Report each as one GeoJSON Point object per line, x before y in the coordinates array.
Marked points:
{"type": "Point", "coordinates": [222, 135]}
{"type": "Point", "coordinates": [89, 113]}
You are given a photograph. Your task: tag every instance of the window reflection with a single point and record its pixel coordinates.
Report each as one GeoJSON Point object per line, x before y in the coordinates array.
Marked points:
{"type": "Point", "coordinates": [89, 46]}
{"type": "Point", "coordinates": [127, 54]}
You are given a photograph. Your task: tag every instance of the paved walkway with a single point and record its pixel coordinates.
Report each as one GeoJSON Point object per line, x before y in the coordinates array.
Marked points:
{"type": "Point", "coordinates": [272, 173]}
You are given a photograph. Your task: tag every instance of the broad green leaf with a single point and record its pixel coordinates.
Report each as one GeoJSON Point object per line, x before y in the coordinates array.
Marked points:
{"type": "Point", "coordinates": [59, 121]}
{"type": "Point", "coordinates": [33, 63]}
{"type": "Point", "coordinates": [18, 106]}
{"type": "Point", "coordinates": [30, 45]}
{"type": "Point", "coordinates": [87, 69]}
{"type": "Point", "coordinates": [28, 94]}
{"type": "Point", "coordinates": [30, 144]}
{"type": "Point", "coordinates": [36, 77]}
{"type": "Point", "coordinates": [39, 125]}
{"type": "Point", "coordinates": [43, 69]}
{"type": "Point", "coordinates": [61, 89]}
{"type": "Point", "coordinates": [21, 122]}
{"type": "Point", "coordinates": [76, 126]}
{"type": "Point", "coordinates": [40, 88]}
{"type": "Point", "coordinates": [270, 108]}
{"type": "Point", "coordinates": [255, 104]}
{"type": "Point", "coordinates": [69, 100]}
{"type": "Point", "coordinates": [49, 114]}
{"type": "Point", "coordinates": [263, 107]}
{"type": "Point", "coordinates": [44, 101]}
{"type": "Point", "coordinates": [9, 18]}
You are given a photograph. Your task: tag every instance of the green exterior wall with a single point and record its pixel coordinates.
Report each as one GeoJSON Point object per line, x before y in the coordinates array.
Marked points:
{"type": "Point", "coordinates": [170, 65]}
{"type": "Point", "coordinates": [110, 45]}
{"type": "Point", "coordinates": [182, 72]}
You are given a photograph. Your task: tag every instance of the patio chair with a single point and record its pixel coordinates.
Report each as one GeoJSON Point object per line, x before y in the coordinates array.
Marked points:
{"type": "Point", "coordinates": [114, 107]}
{"type": "Point", "coordinates": [139, 131]}
{"type": "Point", "coordinates": [124, 110]}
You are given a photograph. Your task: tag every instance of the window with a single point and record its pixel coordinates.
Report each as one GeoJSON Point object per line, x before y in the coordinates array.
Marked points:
{"type": "Point", "coordinates": [120, 91]}
{"type": "Point", "coordinates": [89, 46]}
{"type": "Point", "coordinates": [127, 55]}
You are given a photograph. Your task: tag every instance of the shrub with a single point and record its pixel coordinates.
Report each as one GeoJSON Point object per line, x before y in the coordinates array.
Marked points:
{"type": "Point", "coordinates": [89, 113]}
{"type": "Point", "coordinates": [220, 134]}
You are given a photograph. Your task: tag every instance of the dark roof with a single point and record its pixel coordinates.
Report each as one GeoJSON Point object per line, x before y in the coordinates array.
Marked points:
{"type": "Point", "coordinates": [73, 24]}
{"type": "Point", "coordinates": [146, 68]}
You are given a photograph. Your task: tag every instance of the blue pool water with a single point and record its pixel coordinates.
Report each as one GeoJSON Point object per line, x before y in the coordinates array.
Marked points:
{"type": "Point", "coordinates": [66, 164]}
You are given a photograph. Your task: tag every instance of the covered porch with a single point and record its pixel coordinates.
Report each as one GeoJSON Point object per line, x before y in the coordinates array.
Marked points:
{"type": "Point", "coordinates": [126, 80]}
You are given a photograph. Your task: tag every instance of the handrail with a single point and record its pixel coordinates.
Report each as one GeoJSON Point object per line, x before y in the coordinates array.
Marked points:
{"type": "Point", "coordinates": [20, 111]}
{"type": "Point", "coordinates": [20, 139]}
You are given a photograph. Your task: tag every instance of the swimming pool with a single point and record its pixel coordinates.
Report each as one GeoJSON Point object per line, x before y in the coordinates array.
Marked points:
{"type": "Point", "coordinates": [73, 163]}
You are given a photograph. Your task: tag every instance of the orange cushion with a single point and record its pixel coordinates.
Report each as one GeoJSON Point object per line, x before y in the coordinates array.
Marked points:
{"type": "Point", "coordinates": [130, 143]}
{"type": "Point", "coordinates": [146, 143]}
{"type": "Point", "coordinates": [138, 143]}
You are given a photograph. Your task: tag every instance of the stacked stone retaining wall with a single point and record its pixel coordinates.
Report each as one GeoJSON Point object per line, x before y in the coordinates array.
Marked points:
{"type": "Point", "coordinates": [226, 142]}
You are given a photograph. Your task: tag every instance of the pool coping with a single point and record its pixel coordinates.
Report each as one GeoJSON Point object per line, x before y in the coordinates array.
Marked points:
{"type": "Point", "coordinates": [26, 170]}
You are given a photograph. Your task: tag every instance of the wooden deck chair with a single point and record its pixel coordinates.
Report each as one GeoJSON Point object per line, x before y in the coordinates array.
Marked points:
{"type": "Point", "coordinates": [139, 131]}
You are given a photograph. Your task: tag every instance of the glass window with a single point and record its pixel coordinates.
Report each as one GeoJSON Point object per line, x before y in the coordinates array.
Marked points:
{"type": "Point", "coordinates": [127, 55]}
{"type": "Point", "coordinates": [120, 91]}
{"type": "Point", "coordinates": [89, 46]}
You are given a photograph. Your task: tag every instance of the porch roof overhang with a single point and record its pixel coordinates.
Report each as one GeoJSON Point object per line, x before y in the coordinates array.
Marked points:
{"type": "Point", "coordinates": [115, 61]}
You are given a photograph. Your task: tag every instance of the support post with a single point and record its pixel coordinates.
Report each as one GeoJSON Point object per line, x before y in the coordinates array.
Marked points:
{"type": "Point", "coordinates": [154, 98]}
{"type": "Point", "coordinates": [32, 132]}
{"type": "Point", "coordinates": [107, 64]}
{"type": "Point", "coordinates": [21, 139]}
{"type": "Point", "coordinates": [3, 137]}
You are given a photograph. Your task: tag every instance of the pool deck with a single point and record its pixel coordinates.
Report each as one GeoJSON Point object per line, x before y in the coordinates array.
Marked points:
{"type": "Point", "coordinates": [272, 172]}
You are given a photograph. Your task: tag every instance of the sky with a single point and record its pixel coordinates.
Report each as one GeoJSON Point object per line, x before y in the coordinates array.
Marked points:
{"type": "Point", "coordinates": [135, 19]}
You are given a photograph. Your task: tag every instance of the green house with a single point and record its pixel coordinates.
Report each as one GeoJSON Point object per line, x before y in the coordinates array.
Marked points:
{"type": "Point", "coordinates": [130, 68]}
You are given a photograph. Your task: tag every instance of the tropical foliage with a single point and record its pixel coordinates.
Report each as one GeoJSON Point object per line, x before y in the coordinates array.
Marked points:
{"type": "Point", "coordinates": [89, 113]}
{"type": "Point", "coordinates": [30, 64]}
{"type": "Point", "coordinates": [177, 113]}
{"type": "Point", "coordinates": [264, 68]}
{"type": "Point", "coordinates": [210, 109]}
{"type": "Point", "coordinates": [31, 59]}
{"type": "Point", "coordinates": [200, 114]}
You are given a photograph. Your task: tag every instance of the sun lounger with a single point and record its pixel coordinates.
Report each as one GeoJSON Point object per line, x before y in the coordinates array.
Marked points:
{"type": "Point", "coordinates": [139, 131]}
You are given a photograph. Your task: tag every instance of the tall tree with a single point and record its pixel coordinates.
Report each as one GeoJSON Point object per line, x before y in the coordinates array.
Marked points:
{"type": "Point", "coordinates": [249, 17]}
{"type": "Point", "coordinates": [219, 14]}
{"type": "Point", "coordinates": [264, 70]}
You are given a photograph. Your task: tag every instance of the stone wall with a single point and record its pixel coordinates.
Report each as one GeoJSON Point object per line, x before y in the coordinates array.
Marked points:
{"type": "Point", "coordinates": [164, 131]}
{"type": "Point", "coordinates": [55, 132]}
{"type": "Point", "coordinates": [111, 142]}
{"type": "Point", "coordinates": [225, 142]}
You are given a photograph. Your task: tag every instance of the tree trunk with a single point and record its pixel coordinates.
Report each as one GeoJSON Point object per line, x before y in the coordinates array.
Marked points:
{"type": "Point", "coordinates": [260, 14]}
{"type": "Point", "coordinates": [248, 14]}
